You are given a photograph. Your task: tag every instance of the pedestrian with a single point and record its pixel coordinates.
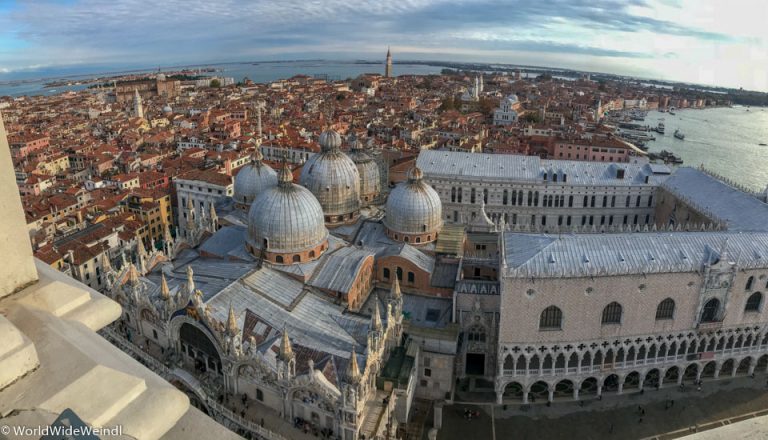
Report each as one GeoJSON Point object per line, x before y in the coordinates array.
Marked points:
{"type": "Point", "coordinates": [642, 412]}
{"type": "Point", "coordinates": [671, 403]}
{"type": "Point", "coordinates": [640, 421]}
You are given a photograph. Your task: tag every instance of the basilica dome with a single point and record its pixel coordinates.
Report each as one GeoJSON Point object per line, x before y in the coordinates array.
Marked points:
{"type": "Point", "coordinates": [333, 178]}
{"type": "Point", "coordinates": [252, 180]}
{"type": "Point", "coordinates": [368, 169]}
{"type": "Point", "coordinates": [414, 211]}
{"type": "Point", "coordinates": [285, 223]}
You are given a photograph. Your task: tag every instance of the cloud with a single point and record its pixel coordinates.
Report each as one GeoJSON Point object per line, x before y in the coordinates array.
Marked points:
{"type": "Point", "coordinates": [169, 32]}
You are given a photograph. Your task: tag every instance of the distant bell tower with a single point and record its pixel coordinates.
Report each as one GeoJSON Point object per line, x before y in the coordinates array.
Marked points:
{"type": "Point", "coordinates": [388, 67]}
{"type": "Point", "coordinates": [138, 110]}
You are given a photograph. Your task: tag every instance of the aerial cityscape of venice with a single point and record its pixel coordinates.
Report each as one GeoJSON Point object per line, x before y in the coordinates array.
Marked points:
{"type": "Point", "coordinates": [433, 220]}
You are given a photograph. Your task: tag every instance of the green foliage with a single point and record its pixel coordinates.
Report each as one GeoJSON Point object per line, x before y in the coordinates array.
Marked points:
{"type": "Point", "coordinates": [215, 83]}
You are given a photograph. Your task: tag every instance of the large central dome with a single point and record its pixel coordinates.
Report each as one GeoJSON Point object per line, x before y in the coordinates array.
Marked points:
{"type": "Point", "coordinates": [333, 178]}
{"type": "Point", "coordinates": [414, 211]}
{"type": "Point", "coordinates": [252, 180]}
{"type": "Point", "coordinates": [285, 223]}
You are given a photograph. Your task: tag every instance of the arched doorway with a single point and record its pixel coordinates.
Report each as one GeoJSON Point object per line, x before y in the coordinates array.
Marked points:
{"type": "Point", "coordinates": [709, 369]}
{"type": "Point", "coordinates": [762, 363]}
{"type": "Point", "coordinates": [652, 379]}
{"type": "Point", "coordinates": [564, 388]}
{"type": "Point", "coordinates": [632, 381]}
{"type": "Point", "coordinates": [588, 387]}
{"type": "Point", "coordinates": [727, 368]}
{"type": "Point", "coordinates": [691, 372]}
{"type": "Point", "coordinates": [198, 349]}
{"type": "Point", "coordinates": [611, 384]}
{"type": "Point", "coordinates": [539, 391]}
{"type": "Point", "coordinates": [513, 391]}
{"type": "Point", "coordinates": [744, 366]}
{"type": "Point", "coordinates": [671, 375]}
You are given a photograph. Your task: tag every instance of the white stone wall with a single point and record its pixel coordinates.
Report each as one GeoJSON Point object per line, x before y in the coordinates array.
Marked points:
{"type": "Point", "coordinates": [566, 201]}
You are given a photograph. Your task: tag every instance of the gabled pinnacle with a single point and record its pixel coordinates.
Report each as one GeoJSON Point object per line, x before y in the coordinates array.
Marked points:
{"type": "Point", "coordinates": [376, 316]}
{"type": "Point", "coordinates": [286, 351]}
{"type": "Point", "coordinates": [164, 290]}
{"type": "Point", "coordinates": [394, 292]}
{"type": "Point", "coordinates": [353, 371]}
{"type": "Point", "coordinates": [232, 321]}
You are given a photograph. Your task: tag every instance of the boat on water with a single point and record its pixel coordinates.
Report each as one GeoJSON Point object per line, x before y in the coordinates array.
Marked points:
{"type": "Point", "coordinates": [679, 134]}
{"type": "Point", "coordinates": [672, 113]}
{"type": "Point", "coordinates": [762, 144]}
{"type": "Point", "coordinates": [660, 128]}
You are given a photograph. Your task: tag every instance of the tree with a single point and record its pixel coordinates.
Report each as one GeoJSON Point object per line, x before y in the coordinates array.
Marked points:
{"type": "Point", "coordinates": [531, 117]}
{"type": "Point", "coordinates": [215, 83]}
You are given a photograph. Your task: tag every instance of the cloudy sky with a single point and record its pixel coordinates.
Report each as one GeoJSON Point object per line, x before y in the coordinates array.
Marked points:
{"type": "Point", "coordinates": [723, 42]}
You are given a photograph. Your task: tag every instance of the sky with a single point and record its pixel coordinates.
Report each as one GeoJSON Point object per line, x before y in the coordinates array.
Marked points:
{"type": "Point", "coordinates": [715, 42]}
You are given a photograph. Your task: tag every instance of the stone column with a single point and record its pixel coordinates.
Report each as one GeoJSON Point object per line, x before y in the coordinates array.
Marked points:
{"type": "Point", "coordinates": [575, 393]}
{"type": "Point", "coordinates": [751, 368]}
{"type": "Point", "coordinates": [525, 397]}
{"type": "Point", "coordinates": [661, 380]}
{"type": "Point", "coordinates": [499, 396]}
{"type": "Point", "coordinates": [680, 374]}
{"type": "Point", "coordinates": [621, 387]}
{"type": "Point", "coordinates": [717, 371]}
{"type": "Point", "coordinates": [599, 390]}
{"type": "Point", "coordinates": [18, 268]}
{"type": "Point", "coordinates": [698, 373]}
{"type": "Point", "coordinates": [551, 395]}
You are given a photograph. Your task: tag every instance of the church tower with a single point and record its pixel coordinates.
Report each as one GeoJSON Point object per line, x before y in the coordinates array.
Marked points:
{"type": "Point", "coordinates": [138, 110]}
{"type": "Point", "coordinates": [388, 67]}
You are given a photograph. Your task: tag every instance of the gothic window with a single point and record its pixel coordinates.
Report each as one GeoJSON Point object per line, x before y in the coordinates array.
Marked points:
{"type": "Point", "coordinates": [472, 196]}
{"type": "Point", "coordinates": [650, 201]}
{"type": "Point", "coordinates": [505, 199]}
{"type": "Point", "coordinates": [453, 194]}
{"type": "Point", "coordinates": [386, 273]}
{"type": "Point", "coordinates": [411, 277]}
{"type": "Point", "coordinates": [459, 193]}
{"type": "Point", "coordinates": [520, 197]}
{"type": "Point", "coordinates": [753, 303]}
{"type": "Point", "coordinates": [551, 319]}
{"type": "Point", "coordinates": [750, 282]}
{"type": "Point", "coordinates": [613, 201]}
{"type": "Point", "coordinates": [586, 201]}
{"type": "Point", "coordinates": [710, 311]}
{"type": "Point", "coordinates": [476, 334]}
{"type": "Point", "coordinates": [666, 309]}
{"type": "Point", "coordinates": [626, 204]}
{"type": "Point", "coordinates": [399, 274]}
{"type": "Point", "coordinates": [536, 198]}
{"type": "Point", "coordinates": [637, 202]}
{"type": "Point", "coordinates": [485, 196]}
{"type": "Point", "coordinates": [592, 202]}
{"type": "Point", "coordinates": [605, 201]}
{"type": "Point", "coordinates": [612, 313]}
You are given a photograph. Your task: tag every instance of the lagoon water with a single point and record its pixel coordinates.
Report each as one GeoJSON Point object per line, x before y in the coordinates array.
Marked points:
{"type": "Point", "coordinates": [725, 140]}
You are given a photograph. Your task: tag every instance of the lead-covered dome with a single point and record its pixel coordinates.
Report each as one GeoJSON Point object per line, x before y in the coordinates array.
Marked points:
{"type": "Point", "coordinates": [253, 179]}
{"type": "Point", "coordinates": [333, 178]}
{"type": "Point", "coordinates": [285, 223]}
{"type": "Point", "coordinates": [370, 178]}
{"type": "Point", "coordinates": [414, 211]}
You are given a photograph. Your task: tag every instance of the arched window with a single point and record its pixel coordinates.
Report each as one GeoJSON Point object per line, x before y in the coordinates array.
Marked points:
{"type": "Point", "coordinates": [453, 194]}
{"type": "Point", "coordinates": [279, 259]}
{"type": "Point", "coordinates": [399, 274]}
{"type": "Point", "coordinates": [386, 273]}
{"type": "Point", "coordinates": [476, 334]}
{"type": "Point", "coordinates": [753, 303]}
{"type": "Point", "coordinates": [612, 313]}
{"type": "Point", "coordinates": [666, 309]}
{"type": "Point", "coordinates": [411, 277]}
{"type": "Point", "coordinates": [551, 319]}
{"type": "Point", "coordinates": [710, 311]}
{"type": "Point", "coordinates": [505, 197]}
{"type": "Point", "coordinates": [750, 282]}
{"type": "Point", "coordinates": [311, 254]}
{"type": "Point", "coordinates": [296, 258]}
